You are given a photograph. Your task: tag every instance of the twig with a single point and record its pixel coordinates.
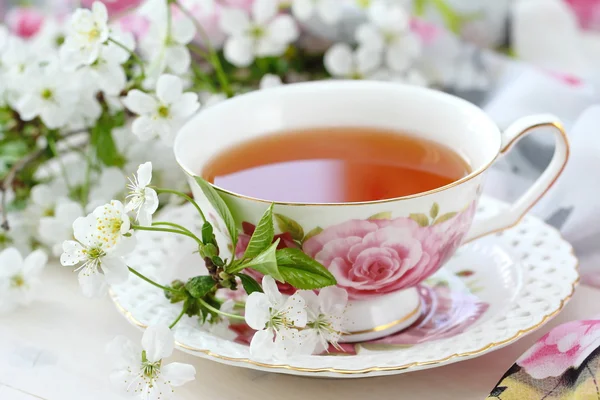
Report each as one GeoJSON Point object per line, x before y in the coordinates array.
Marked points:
{"type": "Point", "coordinates": [7, 182]}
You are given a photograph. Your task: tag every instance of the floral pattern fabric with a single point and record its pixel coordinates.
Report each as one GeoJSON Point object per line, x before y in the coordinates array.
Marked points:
{"type": "Point", "coordinates": [563, 364]}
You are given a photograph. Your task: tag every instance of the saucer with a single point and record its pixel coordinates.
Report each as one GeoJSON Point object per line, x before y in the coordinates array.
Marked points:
{"type": "Point", "coordinates": [491, 293]}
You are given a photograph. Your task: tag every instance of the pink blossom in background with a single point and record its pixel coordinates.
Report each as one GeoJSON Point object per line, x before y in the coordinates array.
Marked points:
{"type": "Point", "coordinates": [115, 7]}
{"type": "Point", "coordinates": [567, 79]}
{"type": "Point", "coordinates": [136, 24]}
{"type": "Point", "coordinates": [24, 21]}
{"type": "Point", "coordinates": [427, 31]}
{"type": "Point", "coordinates": [566, 346]}
{"type": "Point", "coordinates": [588, 12]}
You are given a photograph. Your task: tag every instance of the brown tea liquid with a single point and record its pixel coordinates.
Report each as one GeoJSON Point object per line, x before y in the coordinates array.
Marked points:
{"type": "Point", "coordinates": [335, 165]}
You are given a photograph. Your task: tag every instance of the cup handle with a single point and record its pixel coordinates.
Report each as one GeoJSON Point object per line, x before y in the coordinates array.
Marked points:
{"type": "Point", "coordinates": [511, 136]}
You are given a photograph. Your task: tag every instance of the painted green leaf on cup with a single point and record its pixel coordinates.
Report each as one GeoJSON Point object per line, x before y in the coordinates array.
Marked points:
{"type": "Point", "coordinates": [219, 204]}
{"type": "Point", "coordinates": [420, 219]}
{"type": "Point", "coordinates": [313, 232]}
{"type": "Point", "coordinates": [301, 271]}
{"type": "Point", "coordinates": [266, 263]}
{"type": "Point", "coordinates": [287, 224]}
{"type": "Point", "coordinates": [249, 283]}
{"type": "Point", "coordinates": [445, 217]}
{"type": "Point", "coordinates": [435, 210]}
{"type": "Point", "coordinates": [382, 215]}
{"type": "Point", "coordinates": [262, 236]}
{"type": "Point", "coordinates": [200, 286]}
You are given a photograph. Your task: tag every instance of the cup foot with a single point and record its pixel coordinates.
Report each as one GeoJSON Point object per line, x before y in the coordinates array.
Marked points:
{"type": "Point", "coordinates": [382, 316]}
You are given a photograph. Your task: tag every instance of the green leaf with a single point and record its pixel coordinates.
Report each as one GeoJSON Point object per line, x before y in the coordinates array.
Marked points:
{"type": "Point", "coordinates": [445, 217]}
{"type": "Point", "coordinates": [382, 215]}
{"type": "Point", "coordinates": [208, 236]}
{"type": "Point", "coordinates": [420, 219]}
{"type": "Point", "coordinates": [286, 224]}
{"type": "Point", "coordinates": [219, 204]}
{"type": "Point", "coordinates": [103, 141]}
{"type": "Point", "coordinates": [200, 286]}
{"type": "Point", "coordinates": [249, 283]}
{"type": "Point", "coordinates": [435, 210]}
{"type": "Point", "coordinates": [262, 236]}
{"type": "Point", "coordinates": [266, 263]}
{"type": "Point", "coordinates": [301, 271]}
{"type": "Point", "coordinates": [313, 232]}
{"type": "Point", "coordinates": [451, 18]}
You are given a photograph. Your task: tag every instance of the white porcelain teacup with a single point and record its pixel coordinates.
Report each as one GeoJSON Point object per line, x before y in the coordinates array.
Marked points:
{"type": "Point", "coordinates": [374, 249]}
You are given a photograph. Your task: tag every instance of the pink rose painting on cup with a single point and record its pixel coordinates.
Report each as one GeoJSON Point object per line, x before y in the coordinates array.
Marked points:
{"type": "Point", "coordinates": [378, 256]}
{"type": "Point", "coordinates": [562, 364]}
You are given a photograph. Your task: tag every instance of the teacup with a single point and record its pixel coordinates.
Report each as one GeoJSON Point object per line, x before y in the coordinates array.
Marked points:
{"type": "Point", "coordinates": [353, 240]}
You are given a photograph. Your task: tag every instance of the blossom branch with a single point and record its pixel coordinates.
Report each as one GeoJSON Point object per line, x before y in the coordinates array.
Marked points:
{"type": "Point", "coordinates": [135, 57]}
{"type": "Point", "coordinates": [7, 182]}
{"type": "Point", "coordinates": [183, 311]}
{"type": "Point", "coordinates": [182, 195]}
{"type": "Point", "coordinates": [150, 281]}
{"type": "Point", "coordinates": [214, 58]}
{"type": "Point", "coordinates": [155, 229]}
{"type": "Point", "coordinates": [223, 313]}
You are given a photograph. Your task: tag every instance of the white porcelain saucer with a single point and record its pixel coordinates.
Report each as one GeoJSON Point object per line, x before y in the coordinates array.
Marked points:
{"type": "Point", "coordinates": [493, 292]}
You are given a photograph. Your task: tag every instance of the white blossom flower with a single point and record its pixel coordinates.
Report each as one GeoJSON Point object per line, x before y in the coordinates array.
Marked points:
{"type": "Point", "coordinates": [269, 81]}
{"type": "Point", "coordinates": [325, 319]}
{"type": "Point", "coordinates": [341, 62]}
{"type": "Point", "coordinates": [388, 30]}
{"type": "Point", "coordinates": [49, 94]}
{"type": "Point", "coordinates": [107, 73]}
{"type": "Point", "coordinates": [88, 30]}
{"type": "Point", "coordinates": [19, 278]}
{"type": "Point", "coordinates": [56, 228]}
{"type": "Point", "coordinates": [87, 109]}
{"type": "Point", "coordinates": [112, 222]}
{"type": "Point", "coordinates": [330, 11]}
{"type": "Point", "coordinates": [142, 199]}
{"type": "Point", "coordinates": [101, 260]}
{"type": "Point", "coordinates": [17, 59]}
{"type": "Point", "coordinates": [276, 319]}
{"type": "Point", "coordinates": [266, 34]}
{"type": "Point", "coordinates": [167, 49]}
{"type": "Point", "coordinates": [142, 371]}
{"type": "Point", "coordinates": [20, 235]}
{"type": "Point", "coordinates": [162, 114]}
{"type": "Point", "coordinates": [44, 199]}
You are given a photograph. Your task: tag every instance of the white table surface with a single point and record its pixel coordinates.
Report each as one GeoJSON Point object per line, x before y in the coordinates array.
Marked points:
{"type": "Point", "coordinates": [54, 350]}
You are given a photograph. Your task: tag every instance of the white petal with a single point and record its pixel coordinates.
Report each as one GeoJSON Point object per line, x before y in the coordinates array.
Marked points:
{"type": "Point", "coordinates": [115, 270]}
{"type": "Point", "coordinates": [68, 211]}
{"type": "Point", "coordinates": [269, 81]}
{"type": "Point", "coordinates": [140, 103]}
{"type": "Point", "coordinates": [72, 253]}
{"type": "Point", "coordinates": [185, 107]}
{"type": "Point", "coordinates": [330, 11]}
{"type": "Point", "coordinates": [303, 9]}
{"type": "Point", "coordinates": [34, 263]}
{"type": "Point", "coordinates": [144, 128]}
{"type": "Point", "coordinates": [11, 262]}
{"type": "Point", "coordinates": [339, 60]}
{"type": "Point", "coordinates": [125, 246]}
{"type": "Point", "coordinates": [333, 300]}
{"type": "Point", "coordinates": [287, 343]}
{"type": "Point", "coordinates": [238, 51]}
{"type": "Point", "coordinates": [92, 283]}
{"type": "Point", "coordinates": [283, 29]}
{"type": "Point", "coordinates": [178, 59]}
{"type": "Point", "coordinates": [367, 60]}
{"type": "Point", "coordinates": [84, 228]}
{"type": "Point", "coordinates": [234, 21]}
{"type": "Point", "coordinates": [151, 201]}
{"type": "Point", "coordinates": [295, 308]}
{"type": "Point", "coordinates": [144, 218]}
{"type": "Point", "coordinates": [178, 373]}
{"type": "Point", "coordinates": [369, 36]}
{"type": "Point", "coordinates": [311, 300]}
{"type": "Point", "coordinates": [271, 291]}
{"type": "Point", "coordinates": [29, 107]}
{"type": "Point", "coordinates": [257, 310]}
{"type": "Point", "coordinates": [262, 344]}
{"type": "Point", "coordinates": [100, 12]}
{"type": "Point", "coordinates": [111, 78]}
{"type": "Point", "coordinates": [158, 341]}
{"type": "Point", "coordinates": [43, 195]}
{"type": "Point", "coordinates": [144, 174]}
{"type": "Point", "coordinates": [264, 10]}
{"type": "Point", "coordinates": [183, 31]}
{"type": "Point", "coordinates": [169, 88]}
